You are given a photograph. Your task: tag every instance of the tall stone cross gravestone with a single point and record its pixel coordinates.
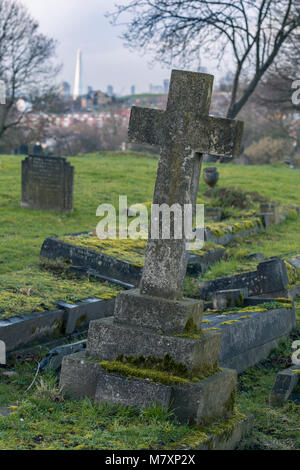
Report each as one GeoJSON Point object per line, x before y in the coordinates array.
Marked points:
{"type": "Point", "coordinates": [154, 327]}
{"type": "Point", "coordinates": [184, 131]}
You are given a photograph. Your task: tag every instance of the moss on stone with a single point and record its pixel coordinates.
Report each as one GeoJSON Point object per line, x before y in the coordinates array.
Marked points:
{"type": "Point", "coordinates": [221, 228]}
{"type": "Point", "coordinates": [190, 331]}
{"type": "Point", "coordinates": [228, 322]}
{"type": "Point", "coordinates": [160, 370]}
{"type": "Point", "coordinates": [291, 272]}
{"type": "Point", "coordinates": [36, 290]}
{"type": "Point", "coordinates": [263, 307]}
{"type": "Point", "coordinates": [82, 320]}
{"type": "Point", "coordinates": [199, 435]}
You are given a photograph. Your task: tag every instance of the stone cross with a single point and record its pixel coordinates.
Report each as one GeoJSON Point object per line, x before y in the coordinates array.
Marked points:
{"type": "Point", "coordinates": [184, 132]}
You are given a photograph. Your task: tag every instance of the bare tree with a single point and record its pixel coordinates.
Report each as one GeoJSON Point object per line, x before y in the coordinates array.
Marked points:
{"type": "Point", "coordinates": [274, 93]}
{"type": "Point", "coordinates": [253, 32]}
{"type": "Point", "coordinates": [26, 59]}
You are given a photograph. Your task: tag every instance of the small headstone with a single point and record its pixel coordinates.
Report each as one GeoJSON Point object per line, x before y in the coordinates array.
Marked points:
{"type": "Point", "coordinates": [47, 184]}
{"type": "Point", "coordinates": [272, 208]}
{"type": "Point", "coordinates": [285, 383]}
{"type": "Point", "coordinates": [267, 219]}
{"type": "Point", "coordinates": [214, 213]}
{"type": "Point", "coordinates": [229, 298]}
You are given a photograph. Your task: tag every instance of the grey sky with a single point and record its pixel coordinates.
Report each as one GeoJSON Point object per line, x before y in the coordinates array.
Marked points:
{"type": "Point", "coordinates": [82, 24]}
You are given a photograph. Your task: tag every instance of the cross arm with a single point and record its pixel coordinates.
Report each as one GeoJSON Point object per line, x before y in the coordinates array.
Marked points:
{"type": "Point", "coordinates": [146, 126]}
{"type": "Point", "coordinates": [217, 136]}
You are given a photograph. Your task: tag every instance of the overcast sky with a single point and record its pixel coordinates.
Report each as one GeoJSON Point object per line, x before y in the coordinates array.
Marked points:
{"type": "Point", "coordinates": [82, 24]}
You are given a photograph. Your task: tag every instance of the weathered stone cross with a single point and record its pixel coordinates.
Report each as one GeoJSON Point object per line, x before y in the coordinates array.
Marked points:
{"type": "Point", "coordinates": [184, 132]}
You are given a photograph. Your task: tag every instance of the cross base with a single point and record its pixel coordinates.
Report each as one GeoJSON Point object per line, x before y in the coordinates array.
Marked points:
{"type": "Point", "coordinates": [196, 403]}
{"type": "Point", "coordinates": [156, 313]}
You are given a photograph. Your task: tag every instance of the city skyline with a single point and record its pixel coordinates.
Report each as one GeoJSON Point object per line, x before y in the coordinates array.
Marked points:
{"type": "Point", "coordinates": [77, 25]}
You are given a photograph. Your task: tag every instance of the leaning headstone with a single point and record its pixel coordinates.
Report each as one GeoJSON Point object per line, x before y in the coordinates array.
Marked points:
{"type": "Point", "coordinates": [47, 184]}
{"type": "Point", "coordinates": [270, 280]}
{"type": "Point", "coordinates": [229, 298]}
{"type": "Point", "coordinates": [155, 324]}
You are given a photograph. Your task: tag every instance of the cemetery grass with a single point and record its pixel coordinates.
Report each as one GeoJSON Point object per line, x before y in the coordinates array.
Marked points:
{"type": "Point", "coordinates": [101, 178]}
{"type": "Point", "coordinates": [41, 418]}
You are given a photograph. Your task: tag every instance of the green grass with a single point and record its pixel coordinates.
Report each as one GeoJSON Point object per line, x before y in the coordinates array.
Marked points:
{"type": "Point", "coordinates": [98, 180]}
{"type": "Point", "coordinates": [101, 179]}
{"type": "Point", "coordinates": [42, 419]}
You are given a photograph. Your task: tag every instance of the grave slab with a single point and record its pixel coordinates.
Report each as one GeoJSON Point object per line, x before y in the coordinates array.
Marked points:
{"type": "Point", "coordinates": [18, 332]}
{"type": "Point", "coordinates": [246, 341]}
{"type": "Point", "coordinates": [115, 269]}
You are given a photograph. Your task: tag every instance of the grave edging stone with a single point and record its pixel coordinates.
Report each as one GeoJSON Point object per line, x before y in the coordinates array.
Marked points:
{"type": "Point", "coordinates": [21, 331]}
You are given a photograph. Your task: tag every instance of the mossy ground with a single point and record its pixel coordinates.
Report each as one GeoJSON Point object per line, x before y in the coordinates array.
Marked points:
{"type": "Point", "coordinates": [35, 290]}
{"type": "Point", "coordinates": [132, 251]}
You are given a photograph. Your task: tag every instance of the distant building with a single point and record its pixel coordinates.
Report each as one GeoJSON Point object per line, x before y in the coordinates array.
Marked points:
{"type": "Point", "coordinates": [133, 90]}
{"type": "Point", "coordinates": [226, 81]}
{"type": "Point", "coordinates": [64, 91]}
{"type": "Point", "coordinates": [156, 89]}
{"type": "Point", "coordinates": [94, 99]}
{"type": "Point", "coordinates": [78, 84]}
{"type": "Point", "coordinates": [110, 90]}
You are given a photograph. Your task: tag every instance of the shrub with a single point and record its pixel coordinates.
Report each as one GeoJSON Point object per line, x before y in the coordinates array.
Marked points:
{"type": "Point", "coordinates": [268, 150]}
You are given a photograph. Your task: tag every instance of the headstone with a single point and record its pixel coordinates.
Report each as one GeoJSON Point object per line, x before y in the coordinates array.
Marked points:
{"type": "Point", "coordinates": [229, 298]}
{"type": "Point", "coordinates": [270, 279]}
{"type": "Point", "coordinates": [47, 184]}
{"type": "Point", "coordinates": [154, 321]}
{"type": "Point", "coordinates": [214, 213]}
{"type": "Point", "coordinates": [285, 383]}
{"type": "Point", "coordinates": [271, 208]}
